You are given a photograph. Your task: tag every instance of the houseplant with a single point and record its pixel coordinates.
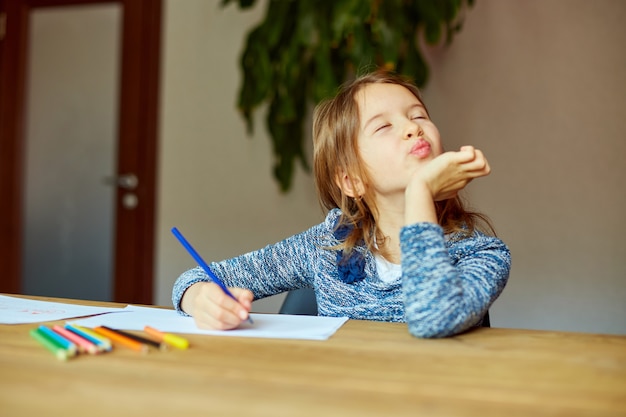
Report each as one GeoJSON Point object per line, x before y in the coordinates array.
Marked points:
{"type": "Point", "coordinates": [304, 49]}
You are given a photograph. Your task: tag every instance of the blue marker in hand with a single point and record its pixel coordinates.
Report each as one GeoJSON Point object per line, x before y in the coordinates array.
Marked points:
{"type": "Point", "coordinates": [204, 266]}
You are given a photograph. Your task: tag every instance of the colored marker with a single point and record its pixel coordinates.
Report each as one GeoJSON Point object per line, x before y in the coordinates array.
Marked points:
{"type": "Point", "coordinates": [121, 339]}
{"type": "Point", "coordinates": [195, 255]}
{"type": "Point", "coordinates": [144, 340]}
{"type": "Point", "coordinates": [101, 342]}
{"type": "Point", "coordinates": [169, 338]}
{"type": "Point", "coordinates": [58, 351]}
{"type": "Point", "coordinates": [59, 340]}
{"type": "Point", "coordinates": [83, 345]}
{"type": "Point", "coordinates": [104, 341]}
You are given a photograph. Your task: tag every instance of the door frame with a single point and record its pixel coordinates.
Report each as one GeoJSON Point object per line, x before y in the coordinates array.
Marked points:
{"type": "Point", "coordinates": [136, 147]}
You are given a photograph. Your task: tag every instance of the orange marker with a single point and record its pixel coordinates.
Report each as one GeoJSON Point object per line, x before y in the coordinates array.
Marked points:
{"type": "Point", "coordinates": [121, 339]}
{"type": "Point", "coordinates": [168, 338]}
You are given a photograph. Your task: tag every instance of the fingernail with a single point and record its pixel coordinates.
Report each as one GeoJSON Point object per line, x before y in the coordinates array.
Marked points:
{"type": "Point", "coordinates": [243, 314]}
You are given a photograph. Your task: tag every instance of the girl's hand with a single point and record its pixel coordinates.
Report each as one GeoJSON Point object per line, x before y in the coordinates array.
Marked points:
{"type": "Point", "coordinates": [450, 172]}
{"type": "Point", "coordinates": [440, 179]}
{"type": "Point", "coordinates": [212, 308]}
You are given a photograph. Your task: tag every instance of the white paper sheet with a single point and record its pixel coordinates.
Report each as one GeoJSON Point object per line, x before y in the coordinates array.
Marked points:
{"type": "Point", "coordinates": [280, 326]}
{"type": "Point", "coordinates": [16, 310]}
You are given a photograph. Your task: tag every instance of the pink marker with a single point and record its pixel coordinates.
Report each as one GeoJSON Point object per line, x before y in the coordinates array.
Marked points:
{"type": "Point", "coordinates": [84, 345]}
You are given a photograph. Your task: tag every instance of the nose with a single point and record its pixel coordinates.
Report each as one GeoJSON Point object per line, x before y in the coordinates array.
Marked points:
{"type": "Point", "coordinates": [413, 130]}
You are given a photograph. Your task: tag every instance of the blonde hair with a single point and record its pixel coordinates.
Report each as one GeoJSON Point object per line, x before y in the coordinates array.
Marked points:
{"type": "Point", "coordinates": [335, 154]}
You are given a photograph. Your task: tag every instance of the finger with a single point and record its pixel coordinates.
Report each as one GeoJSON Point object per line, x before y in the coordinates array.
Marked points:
{"type": "Point", "coordinates": [216, 318]}
{"type": "Point", "coordinates": [208, 322]}
{"type": "Point", "coordinates": [244, 296]}
{"type": "Point", "coordinates": [210, 308]}
{"type": "Point", "coordinates": [240, 304]}
{"type": "Point", "coordinates": [479, 164]}
{"type": "Point", "coordinates": [215, 309]}
{"type": "Point", "coordinates": [221, 318]}
{"type": "Point", "coordinates": [468, 152]}
{"type": "Point", "coordinates": [204, 311]}
{"type": "Point", "coordinates": [234, 305]}
{"type": "Point", "coordinates": [486, 168]}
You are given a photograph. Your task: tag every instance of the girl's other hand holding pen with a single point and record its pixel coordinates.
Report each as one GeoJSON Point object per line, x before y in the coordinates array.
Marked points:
{"type": "Point", "coordinates": [213, 309]}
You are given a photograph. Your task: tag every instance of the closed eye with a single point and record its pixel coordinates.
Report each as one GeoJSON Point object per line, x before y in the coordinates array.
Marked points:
{"type": "Point", "coordinates": [382, 127]}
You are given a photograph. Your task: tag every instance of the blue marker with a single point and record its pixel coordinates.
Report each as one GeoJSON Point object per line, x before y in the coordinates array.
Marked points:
{"type": "Point", "coordinates": [101, 343]}
{"type": "Point", "coordinates": [59, 340]}
{"type": "Point", "coordinates": [204, 266]}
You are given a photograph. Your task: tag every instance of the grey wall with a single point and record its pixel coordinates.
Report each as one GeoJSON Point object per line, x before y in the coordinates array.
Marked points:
{"type": "Point", "coordinates": [539, 85]}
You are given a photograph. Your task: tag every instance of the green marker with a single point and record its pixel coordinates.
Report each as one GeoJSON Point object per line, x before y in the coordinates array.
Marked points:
{"type": "Point", "coordinates": [57, 350]}
{"type": "Point", "coordinates": [56, 338]}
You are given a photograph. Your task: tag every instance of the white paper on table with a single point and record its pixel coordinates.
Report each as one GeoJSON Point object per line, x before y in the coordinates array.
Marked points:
{"type": "Point", "coordinates": [16, 310]}
{"type": "Point", "coordinates": [276, 326]}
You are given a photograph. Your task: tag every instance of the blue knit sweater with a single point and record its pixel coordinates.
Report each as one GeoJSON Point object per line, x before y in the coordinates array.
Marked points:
{"type": "Point", "coordinates": [446, 287]}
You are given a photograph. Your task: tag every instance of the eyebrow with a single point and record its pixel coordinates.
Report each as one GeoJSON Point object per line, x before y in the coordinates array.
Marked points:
{"type": "Point", "coordinates": [376, 116]}
{"type": "Point", "coordinates": [371, 119]}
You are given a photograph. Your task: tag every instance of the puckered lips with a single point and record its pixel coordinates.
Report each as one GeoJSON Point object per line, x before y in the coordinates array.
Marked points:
{"type": "Point", "coordinates": [421, 148]}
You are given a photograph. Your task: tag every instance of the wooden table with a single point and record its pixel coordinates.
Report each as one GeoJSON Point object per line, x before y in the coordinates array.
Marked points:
{"type": "Point", "coordinates": [365, 369]}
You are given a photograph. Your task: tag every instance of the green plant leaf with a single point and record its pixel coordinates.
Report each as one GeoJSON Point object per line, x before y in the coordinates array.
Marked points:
{"type": "Point", "coordinates": [303, 50]}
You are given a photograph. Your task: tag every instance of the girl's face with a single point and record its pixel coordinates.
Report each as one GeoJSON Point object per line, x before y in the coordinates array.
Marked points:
{"type": "Point", "coordinates": [396, 136]}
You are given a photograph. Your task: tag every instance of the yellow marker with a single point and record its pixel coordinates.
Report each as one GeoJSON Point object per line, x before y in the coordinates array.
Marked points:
{"type": "Point", "coordinates": [103, 342]}
{"type": "Point", "coordinates": [175, 341]}
{"type": "Point", "coordinates": [169, 338]}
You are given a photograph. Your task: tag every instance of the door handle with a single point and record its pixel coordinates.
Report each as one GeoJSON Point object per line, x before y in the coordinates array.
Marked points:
{"type": "Point", "coordinates": [125, 181]}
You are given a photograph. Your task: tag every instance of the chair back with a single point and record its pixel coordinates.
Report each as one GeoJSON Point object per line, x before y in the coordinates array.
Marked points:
{"type": "Point", "coordinates": [302, 302]}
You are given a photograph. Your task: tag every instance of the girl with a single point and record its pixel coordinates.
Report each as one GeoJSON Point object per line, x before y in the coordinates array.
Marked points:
{"type": "Point", "coordinates": [396, 244]}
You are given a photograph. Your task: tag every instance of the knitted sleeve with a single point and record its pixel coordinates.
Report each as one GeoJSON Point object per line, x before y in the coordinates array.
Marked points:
{"type": "Point", "coordinates": [279, 267]}
{"type": "Point", "coordinates": [448, 288]}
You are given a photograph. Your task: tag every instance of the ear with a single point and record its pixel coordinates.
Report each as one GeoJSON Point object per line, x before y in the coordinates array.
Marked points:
{"type": "Point", "coordinates": [353, 189]}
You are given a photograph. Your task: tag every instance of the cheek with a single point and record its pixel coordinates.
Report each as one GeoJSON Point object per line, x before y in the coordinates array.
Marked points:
{"type": "Point", "coordinates": [367, 154]}
{"type": "Point", "coordinates": [437, 147]}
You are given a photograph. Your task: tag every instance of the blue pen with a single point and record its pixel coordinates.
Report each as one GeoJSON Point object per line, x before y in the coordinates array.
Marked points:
{"type": "Point", "coordinates": [204, 266]}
